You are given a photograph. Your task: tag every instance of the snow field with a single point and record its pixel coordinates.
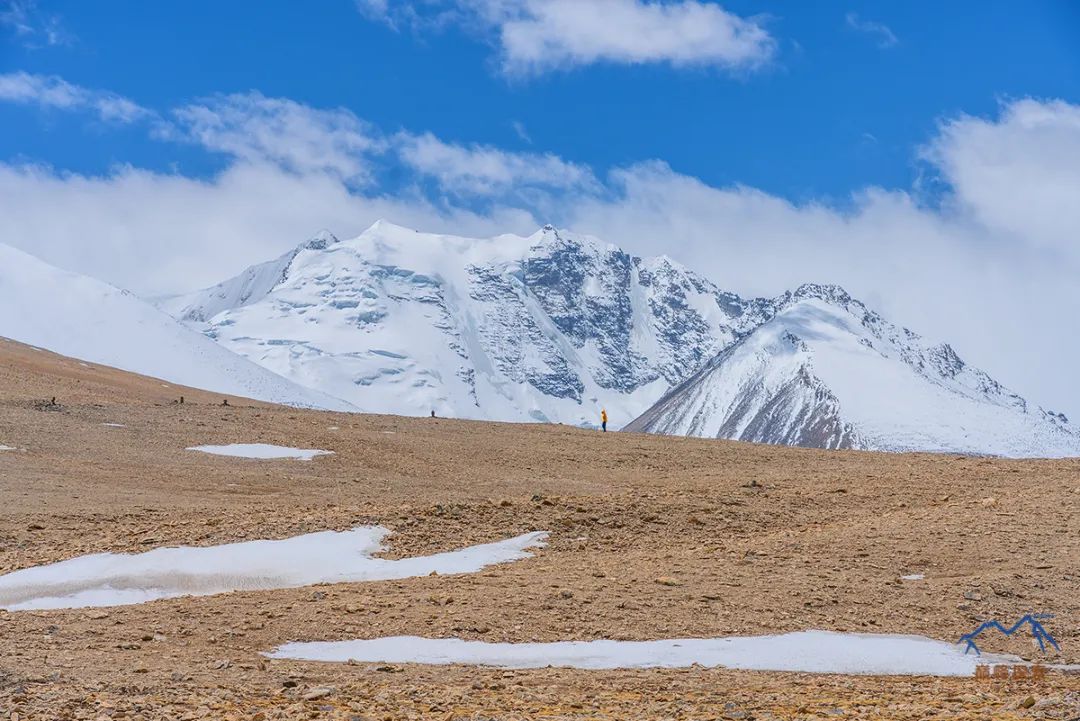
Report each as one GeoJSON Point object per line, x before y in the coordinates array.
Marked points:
{"type": "Point", "coordinates": [114, 579]}
{"type": "Point", "coordinates": [803, 651]}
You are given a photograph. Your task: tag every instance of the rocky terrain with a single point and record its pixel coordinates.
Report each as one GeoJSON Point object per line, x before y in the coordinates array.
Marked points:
{"type": "Point", "coordinates": [651, 537]}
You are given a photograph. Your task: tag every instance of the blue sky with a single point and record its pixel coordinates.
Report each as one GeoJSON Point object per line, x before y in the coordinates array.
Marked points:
{"type": "Point", "coordinates": [837, 108]}
{"type": "Point", "coordinates": [924, 155]}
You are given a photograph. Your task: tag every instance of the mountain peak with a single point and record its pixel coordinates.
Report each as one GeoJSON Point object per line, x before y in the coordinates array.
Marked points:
{"type": "Point", "coordinates": [829, 292]}
{"type": "Point", "coordinates": [320, 240]}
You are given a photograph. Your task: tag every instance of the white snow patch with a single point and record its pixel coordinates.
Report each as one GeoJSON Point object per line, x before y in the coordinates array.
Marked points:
{"type": "Point", "coordinates": [7, 448]}
{"type": "Point", "coordinates": [262, 451]}
{"type": "Point", "coordinates": [112, 579]}
{"type": "Point", "coordinates": [804, 651]}
{"type": "Point", "coordinates": [114, 425]}
{"type": "Point", "coordinates": [913, 577]}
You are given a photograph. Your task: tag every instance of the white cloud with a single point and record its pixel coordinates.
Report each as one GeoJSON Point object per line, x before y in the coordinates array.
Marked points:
{"type": "Point", "coordinates": [1019, 174]}
{"type": "Point", "coordinates": [254, 128]}
{"type": "Point", "coordinates": [536, 36]}
{"type": "Point", "coordinates": [374, 8]}
{"type": "Point", "coordinates": [34, 28]}
{"type": "Point", "coordinates": [157, 232]}
{"type": "Point", "coordinates": [50, 91]}
{"type": "Point", "coordinates": [484, 170]}
{"type": "Point", "coordinates": [992, 268]}
{"type": "Point", "coordinates": [521, 131]}
{"type": "Point", "coordinates": [885, 36]}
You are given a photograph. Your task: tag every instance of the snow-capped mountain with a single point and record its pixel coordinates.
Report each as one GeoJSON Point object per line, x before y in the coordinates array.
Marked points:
{"type": "Point", "coordinates": [547, 328]}
{"type": "Point", "coordinates": [822, 370]}
{"type": "Point", "coordinates": [85, 318]}
{"type": "Point", "coordinates": [555, 326]}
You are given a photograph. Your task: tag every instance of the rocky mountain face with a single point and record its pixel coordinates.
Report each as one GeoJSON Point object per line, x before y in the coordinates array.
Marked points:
{"type": "Point", "coordinates": [555, 326]}
{"type": "Point", "coordinates": [546, 328]}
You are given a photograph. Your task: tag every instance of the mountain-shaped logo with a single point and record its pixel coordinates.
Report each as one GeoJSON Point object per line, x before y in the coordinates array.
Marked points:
{"type": "Point", "coordinates": [1033, 620]}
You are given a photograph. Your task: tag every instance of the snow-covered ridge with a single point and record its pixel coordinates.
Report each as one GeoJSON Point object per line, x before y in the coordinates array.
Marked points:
{"type": "Point", "coordinates": [823, 371]}
{"type": "Point", "coordinates": [555, 326]}
{"type": "Point", "coordinates": [85, 318]}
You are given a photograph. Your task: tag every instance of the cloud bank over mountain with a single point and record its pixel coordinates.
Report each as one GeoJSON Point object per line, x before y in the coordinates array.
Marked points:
{"type": "Point", "coordinates": [982, 251]}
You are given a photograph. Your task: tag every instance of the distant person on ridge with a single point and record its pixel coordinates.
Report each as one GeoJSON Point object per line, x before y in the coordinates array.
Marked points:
{"type": "Point", "coordinates": [603, 420]}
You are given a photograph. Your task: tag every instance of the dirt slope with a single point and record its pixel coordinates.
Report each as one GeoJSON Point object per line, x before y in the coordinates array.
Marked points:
{"type": "Point", "coordinates": [746, 539]}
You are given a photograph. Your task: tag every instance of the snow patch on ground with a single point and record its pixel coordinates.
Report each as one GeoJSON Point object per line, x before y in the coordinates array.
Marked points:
{"type": "Point", "coordinates": [114, 425]}
{"type": "Point", "coordinates": [7, 448]}
{"type": "Point", "coordinates": [112, 579]}
{"type": "Point", "coordinates": [804, 651]}
{"type": "Point", "coordinates": [262, 451]}
{"type": "Point", "coordinates": [913, 577]}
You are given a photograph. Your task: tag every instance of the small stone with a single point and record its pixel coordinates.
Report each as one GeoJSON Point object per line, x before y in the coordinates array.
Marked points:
{"type": "Point", "coordinates": [316, 693]}
{"type": "Point", "coordinates": [97, 614]}
{"type": "Point", "coordinates": [972, 595]}
{"type": "Point", "coordinates": [668, 581]}
{"type": "Point", "coordinates": [288, 683]}
{"type": "Point", "coordinates": [1028, 702]}
{"type": "Point", "coordinates": [567, 594]}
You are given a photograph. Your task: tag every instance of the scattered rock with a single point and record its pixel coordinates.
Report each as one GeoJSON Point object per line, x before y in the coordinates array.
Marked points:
{"type": "Point", "coordinates": [668, 581]}
{"type": "Point", "coordinates": [320, 692]}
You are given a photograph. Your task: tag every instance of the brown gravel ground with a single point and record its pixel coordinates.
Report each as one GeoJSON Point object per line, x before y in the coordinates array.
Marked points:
{"type": "Point", "coordinates": [747, 539]}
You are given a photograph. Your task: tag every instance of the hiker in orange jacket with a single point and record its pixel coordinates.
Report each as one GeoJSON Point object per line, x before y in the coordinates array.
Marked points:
{"type": "Point", "coordinates": [603, 419]}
